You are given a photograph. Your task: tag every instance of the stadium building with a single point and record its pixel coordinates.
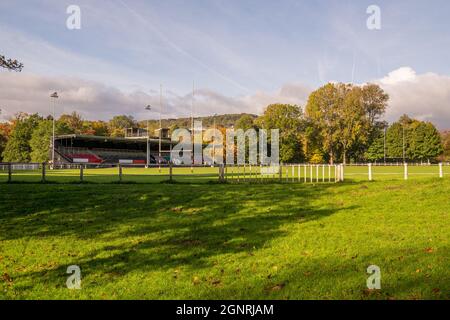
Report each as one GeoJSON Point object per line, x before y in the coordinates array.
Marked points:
{"type": "Point", "coordinates": [131, 149]}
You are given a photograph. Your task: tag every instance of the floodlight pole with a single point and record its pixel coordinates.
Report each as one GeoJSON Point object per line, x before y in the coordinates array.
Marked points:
{"type": "Point", "coordinates": [384, 145]}
{"type": "Point", "coordinates": [160, 121]}
{"type": "Point", "coordinates": [148, 108]}
{"type": "Point", "coordinates": [214, 145]}
{"type": "Point", "coordinates": [54, 95]}
{"type": "Point", "coordinates": [148, 146]}
{"type": "Point", "coordinates": [192, 123]}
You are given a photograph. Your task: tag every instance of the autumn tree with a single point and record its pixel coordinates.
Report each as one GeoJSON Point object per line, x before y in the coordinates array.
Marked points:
{"type": "Point", "coordinates": [118, 124]}
{"type": "Point", "coordinates": [345, 117]}
{"type": "Point", "coordinates": [5, 129]}
{"type": "Point", "coordinates": [73, 121]}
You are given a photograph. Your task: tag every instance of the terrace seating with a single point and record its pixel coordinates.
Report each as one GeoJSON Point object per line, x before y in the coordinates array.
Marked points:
{"type": "Point", "coordinates": [85, 157]}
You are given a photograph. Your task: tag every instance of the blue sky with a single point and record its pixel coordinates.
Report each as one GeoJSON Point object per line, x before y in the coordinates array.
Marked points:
{"type": "Point", "coordinates": [235, 49]}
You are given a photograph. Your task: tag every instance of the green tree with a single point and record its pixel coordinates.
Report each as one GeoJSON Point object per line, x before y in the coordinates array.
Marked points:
{"type": "Point", "coordinates": [119, 124]}
{"type": "Point", "coordinates": [424, 141]}
{"type": "Point", "coordinates": [446, 144]}
{"type": "Point", "coordinates": [40, 141]}
{"type": "Point", "coordinates": [375, 152]}
{"type": "Point", "coordinates": [289, 120]}
{"type": "Point", "coordinates": [18, 148]}
{"type": "Point", "coordinates": [245, 122]}
{"type": "Point", "coordinates": [394, 140]}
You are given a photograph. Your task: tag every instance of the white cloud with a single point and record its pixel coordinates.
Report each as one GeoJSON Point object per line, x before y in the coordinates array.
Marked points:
{"type": "Point", "coordinates": [422, 96]}
{"type": "Point", "coordinates": [94, 100]}
{"type": "Point", "coordinates": [404, 74]}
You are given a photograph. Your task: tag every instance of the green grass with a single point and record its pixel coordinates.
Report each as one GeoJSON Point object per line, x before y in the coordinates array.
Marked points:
{"type": "Point", "coordinates": [208, 174]}
{"type": "Point", "coordinates": [226, 241]}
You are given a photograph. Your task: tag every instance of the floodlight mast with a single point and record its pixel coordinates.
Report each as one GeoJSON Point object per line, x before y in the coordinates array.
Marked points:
{"type": "Point", "coordinates": [148, 108]}
{"type": "Point", "coordinates": [214, 145]}
{"type": "Point", "coordinates": [54, 96]}
{"type": "Point", "coordinates": [160, 127]}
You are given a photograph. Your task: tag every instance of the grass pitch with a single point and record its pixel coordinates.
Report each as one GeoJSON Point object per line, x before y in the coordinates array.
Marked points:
{"type": "Point", "coordinates": [213, 241]}
{"type": "Point", "coordinates": [210, 174]}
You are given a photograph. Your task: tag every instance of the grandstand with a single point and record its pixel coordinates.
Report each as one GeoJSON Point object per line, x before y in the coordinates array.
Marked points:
{"type": "Point", "coordinates": [109, 150]}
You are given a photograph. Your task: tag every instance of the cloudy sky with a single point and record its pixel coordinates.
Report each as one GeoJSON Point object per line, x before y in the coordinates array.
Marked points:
{"type": "Point", "coordinates": [240, 54]}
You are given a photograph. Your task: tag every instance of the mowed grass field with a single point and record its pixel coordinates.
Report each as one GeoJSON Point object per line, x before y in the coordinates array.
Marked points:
{"type": "Point", "coordinates": [226, 241]}
{"type": "Point", "coordinates": [295, 173]}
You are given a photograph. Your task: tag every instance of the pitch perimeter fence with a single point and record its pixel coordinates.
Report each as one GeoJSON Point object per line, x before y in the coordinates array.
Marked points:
{"type": "Point", "coordinates": [284, 173]}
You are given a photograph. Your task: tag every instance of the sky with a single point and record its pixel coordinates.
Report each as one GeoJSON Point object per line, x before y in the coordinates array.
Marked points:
{"type": "Point", "coordinates": [238, 55]}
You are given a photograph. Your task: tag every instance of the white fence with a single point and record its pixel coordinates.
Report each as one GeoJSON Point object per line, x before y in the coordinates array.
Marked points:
{"type": "Point", "coordinates": [20, 166]}
{"type": "Point", "coordinates": [283, 173]}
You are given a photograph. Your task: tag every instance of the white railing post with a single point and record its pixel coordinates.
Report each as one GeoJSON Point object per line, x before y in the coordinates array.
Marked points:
{"type": "Point", "coordinates": [441, 172]}
{"type": "Point", "coordinates": [370, 171]}
{"type": "Point", "coordinates": [406, 171]}
{"type": "Point", "coordinates": [342, 172]}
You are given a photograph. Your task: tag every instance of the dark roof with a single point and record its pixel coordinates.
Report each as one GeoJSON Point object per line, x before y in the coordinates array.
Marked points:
{"type": "Point", "coordinates": [110, 139]}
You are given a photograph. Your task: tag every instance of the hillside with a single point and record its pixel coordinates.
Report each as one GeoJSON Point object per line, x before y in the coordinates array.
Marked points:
{"type": "Point", "coordinates": [223, 120]}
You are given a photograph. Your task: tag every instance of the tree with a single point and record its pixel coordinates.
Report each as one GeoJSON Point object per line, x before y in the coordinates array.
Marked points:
{"type": "Point", "coordinates": [5, 129]}
{"type": "Point", "coordinates": [41, 138]}
{"type": "Point", "coordinates": [375, 102]}
{"type": "Point", "coordinates": [119, 124]}
{"type": "Point", "coordinates": [417, 139]}
{"type": "Point", "coordinates": [446, 144]}
{"type": "Point", "coordinates": [394, 141]}
{"type": "Point", "coordinates": [96, 128]}
{"type": "Point", "coordinates": [73, 121]}
{"type": "Point", "coordinates": [289, 120]}
{"type": "Point", "coordinates": [18, 148]}
{"type": "Point", "coordinates": [375, 152]}
{"type": "Point", "coordinates": [345, 117]}
{"type": "Point", "coordinates": [322, 112]}
{"type": "Point", "coordinates": [353, 123]}
{"type": "Point", "coordinates": [10, 64]}
{"type": "Point", "coordinates": [424, 141]}
{"type": "Point", "coordinates": [40, 141]}
{"type": "Point", "coordinates": [245, 122]}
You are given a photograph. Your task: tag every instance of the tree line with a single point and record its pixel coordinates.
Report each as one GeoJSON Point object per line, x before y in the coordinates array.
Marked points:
{"type": "Point", "coordinates": [339, 123]}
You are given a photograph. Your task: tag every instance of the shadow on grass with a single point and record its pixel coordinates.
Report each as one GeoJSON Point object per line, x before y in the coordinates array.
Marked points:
{"type": "Point", "coordinates": [156, 227]}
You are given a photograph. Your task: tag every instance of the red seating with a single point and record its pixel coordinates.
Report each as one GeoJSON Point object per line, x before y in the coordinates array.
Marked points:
{"type": "Point", "coordinates": [89, 157]}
